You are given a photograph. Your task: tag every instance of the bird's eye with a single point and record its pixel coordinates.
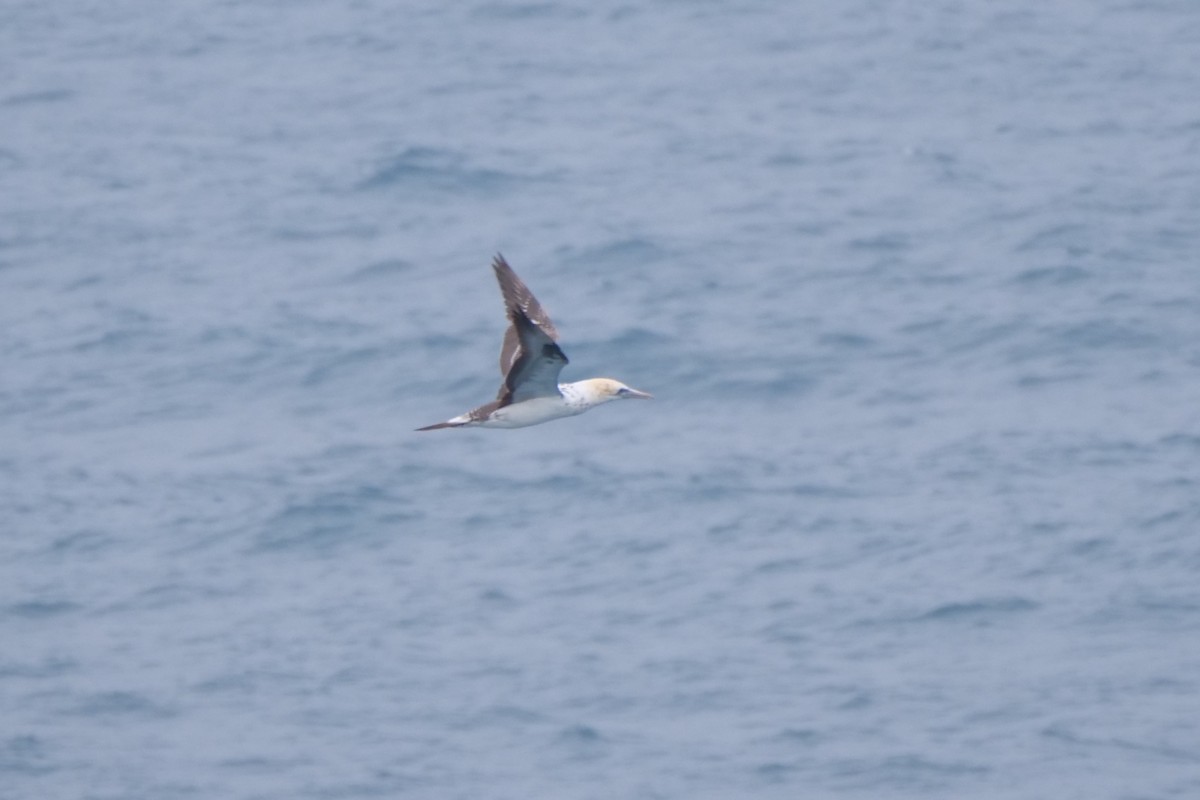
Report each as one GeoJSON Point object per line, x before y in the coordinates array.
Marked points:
{"type": "Point", "coordinates": [622, 391]}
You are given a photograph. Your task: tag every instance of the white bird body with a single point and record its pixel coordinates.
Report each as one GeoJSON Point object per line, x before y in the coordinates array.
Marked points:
{"type": "Point", "coordinates": [574, 398]}
{"type": "Point", "coordinates": [531, 361]}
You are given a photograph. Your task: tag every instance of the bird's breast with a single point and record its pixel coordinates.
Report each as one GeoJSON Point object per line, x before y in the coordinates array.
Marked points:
{"type": "Point", "coordinates": [530, 412]}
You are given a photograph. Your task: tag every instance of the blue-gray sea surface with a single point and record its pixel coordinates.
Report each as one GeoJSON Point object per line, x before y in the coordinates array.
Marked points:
{"type": "Point", "coordinates": [916, 512]}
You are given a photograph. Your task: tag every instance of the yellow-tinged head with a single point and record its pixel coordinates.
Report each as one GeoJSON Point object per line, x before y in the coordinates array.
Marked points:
{"type": "Point", "coordinates": [601, 390]}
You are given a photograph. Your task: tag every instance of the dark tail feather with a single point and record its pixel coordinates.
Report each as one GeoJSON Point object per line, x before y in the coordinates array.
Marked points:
{"type": "Point", "coordinates": [439, 425]}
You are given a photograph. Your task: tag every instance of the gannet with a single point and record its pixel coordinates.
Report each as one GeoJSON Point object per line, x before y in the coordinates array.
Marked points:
{"type": "Point", "coordinates": [530, 362]}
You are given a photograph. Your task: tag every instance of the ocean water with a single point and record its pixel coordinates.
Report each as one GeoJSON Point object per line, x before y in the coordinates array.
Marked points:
{"type": "Point", "coordinates": [916, 512]}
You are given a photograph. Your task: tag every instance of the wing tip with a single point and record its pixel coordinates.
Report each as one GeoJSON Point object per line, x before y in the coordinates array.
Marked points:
{"type": "Point", "coordinates": [511, 287]}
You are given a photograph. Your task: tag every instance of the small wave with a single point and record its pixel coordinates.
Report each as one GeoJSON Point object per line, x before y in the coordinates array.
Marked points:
{"type": "Point", "coordinates": [776, 771]}
{"type": "Point", "coordinates": [380, 270]}
{"type": "Point", "coordinates": [436, 169]}
{"type": "Point", "coordinates": [120, 704]}
{"type": "Point", "coordinates": [330, 519]}
{"type": "Point", "coordinates": [580, 734]}
{"type": "Point", "coordinates": [1067, 734]}
{"type": "Point", "coordinates": [1105, 334]}
{"type": "Point", "coordinates": [846, 340]}
{"type": "Point", "coordinates": [800, 736]}
{"type": "Point", "coordinates": [47, 668]}
{"type": "Point", "coordinates": [526, 11]}
{"type": "Point", "coordinates": [24, 754]}
{"type": "Point", "coordinates": [631, 250]}
{"type": "Point", "coordinates": [1051, 276]}
{"type": "Point", "coordinates": [85, 541]}
{"type": "Point", "coordinates": [336, 366]}
{"type": "Point", "coordinates": [259, 765]}
{"type": "Point", "coordinates": [39, 609]}
{"type": "Point", "coordinates": [978, 609]}
{"type": "Point", "coordinates": [1067, 235]}
{"type": "Point", "coordinates": [34, 98]}
{"type": "Point", "coordinates": [884, 242]}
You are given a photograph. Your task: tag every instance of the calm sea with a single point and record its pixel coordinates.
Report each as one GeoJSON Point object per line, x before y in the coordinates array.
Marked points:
{"type": "Point", "coordinates": [915, 514]}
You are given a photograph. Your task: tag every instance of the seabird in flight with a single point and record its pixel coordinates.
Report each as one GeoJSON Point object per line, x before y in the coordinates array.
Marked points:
{"type": "Point", "coordinates": [530, 361]}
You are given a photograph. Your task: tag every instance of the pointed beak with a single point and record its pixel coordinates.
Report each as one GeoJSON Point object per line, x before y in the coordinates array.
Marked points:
{"type": "Point", "coordinates": [634, 394]}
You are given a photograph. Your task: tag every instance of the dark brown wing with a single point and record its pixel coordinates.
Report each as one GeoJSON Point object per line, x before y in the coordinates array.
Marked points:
{"type": "Point", "coordinates": [517, 295]}
{"type": "Point", "coordinates": [536, 365]}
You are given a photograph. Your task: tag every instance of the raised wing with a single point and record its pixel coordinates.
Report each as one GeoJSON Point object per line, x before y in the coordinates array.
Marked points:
{"type": "Point", "coordinates": [536, 364]}
{"type": "Point", "coordinates": [517, 296]}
